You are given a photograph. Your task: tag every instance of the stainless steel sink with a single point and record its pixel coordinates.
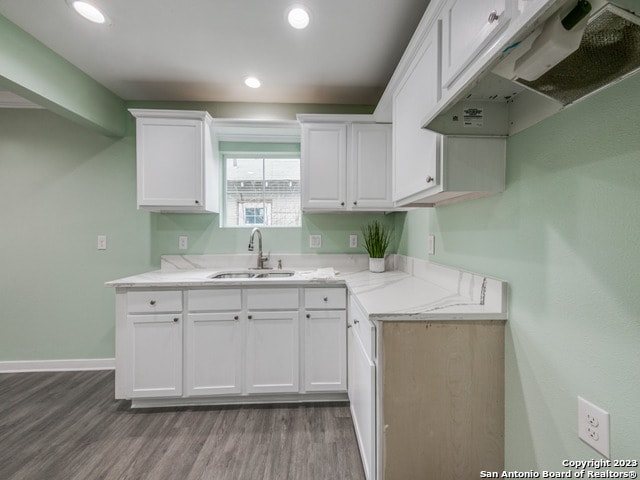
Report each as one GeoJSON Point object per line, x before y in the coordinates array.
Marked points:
{"type": "Point", "coordinates": [231, 275]}
{"type": "Point", "coordinates": [252, 274]}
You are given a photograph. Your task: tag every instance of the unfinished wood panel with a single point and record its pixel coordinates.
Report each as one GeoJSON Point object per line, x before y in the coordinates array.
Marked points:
{"type": "Point", "coordinates": [443, 399]}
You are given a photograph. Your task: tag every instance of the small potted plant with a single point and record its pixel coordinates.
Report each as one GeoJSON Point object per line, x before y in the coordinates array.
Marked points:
{"type": "Point", "coordinates": [376, 241]}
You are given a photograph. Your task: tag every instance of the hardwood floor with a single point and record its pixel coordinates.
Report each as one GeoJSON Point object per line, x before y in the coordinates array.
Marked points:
{"type": "Point", "coordinates": [67, 426]}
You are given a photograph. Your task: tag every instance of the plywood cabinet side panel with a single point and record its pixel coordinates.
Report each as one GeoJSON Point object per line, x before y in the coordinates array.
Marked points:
{"type": "Point", "coordinates": [443, 399]}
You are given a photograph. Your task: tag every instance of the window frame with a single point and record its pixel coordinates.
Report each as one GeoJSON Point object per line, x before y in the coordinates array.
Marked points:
{"type": "Point", "coordinates": [254, 155]}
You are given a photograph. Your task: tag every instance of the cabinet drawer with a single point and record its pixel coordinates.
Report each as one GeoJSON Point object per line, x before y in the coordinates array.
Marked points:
{"type": "Point", "coordinates": [332, 298]}
{"type": "Point", "coordinates": [363, 328]}
{"type": "Point", "coordinates": [272, 298]}
{"type": "Point", "coordinates": [212, 300]}
{"type": "Point", "coordinates": [154, 302]}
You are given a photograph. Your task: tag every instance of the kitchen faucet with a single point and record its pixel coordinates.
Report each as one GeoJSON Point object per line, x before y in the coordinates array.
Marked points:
{"type": "Point", "coordinates": [261, 258]}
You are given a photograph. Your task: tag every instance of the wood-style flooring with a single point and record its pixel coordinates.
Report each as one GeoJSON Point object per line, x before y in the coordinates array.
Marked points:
{"type": "Point", "coordinates": [67, 426]}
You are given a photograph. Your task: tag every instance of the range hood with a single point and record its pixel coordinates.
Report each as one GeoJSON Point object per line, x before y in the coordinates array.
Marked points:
{"type": "Point", "coordinates": [599, 50]}
{"type": "Point", "coordinates": [549, 69]}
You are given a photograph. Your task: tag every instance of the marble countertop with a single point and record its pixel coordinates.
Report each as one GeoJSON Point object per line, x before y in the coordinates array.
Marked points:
{"type": "Point", "coordinates": [410, 290]}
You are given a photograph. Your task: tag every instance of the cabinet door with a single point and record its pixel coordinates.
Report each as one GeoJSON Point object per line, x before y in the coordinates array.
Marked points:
{"type": "Point", "coordinates": [156, 355]}
{"type": "Point", "coordinates": [213, 353]}
{"type": "Point", "coordinates": [362, 377]}
{"type": "Point", "coordinates": [370, 166]}
{"type": "Point", "coordinates": [323, 164]}
{"type": "Point", "coordinates": [170, 162]}
{"type": "Point", "coordinates": [325, 348]}
{"type": "Point", "coordinates": [416, 155]}
{"type": "Point", "coordinates": [272, 352]}
{"type": "Point", "coordinates": [468, 27]}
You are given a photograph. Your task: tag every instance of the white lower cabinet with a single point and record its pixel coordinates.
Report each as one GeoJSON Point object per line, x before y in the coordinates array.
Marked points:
{"type": "Point", "coordinates": [155, 367]}
{"type": "Point", "coordinates": [213, 354]}
{"type": "Point", "coordinates": [272, 352]}
{"type": "Point", "coordinates": [325, 351]}
{"type": "Point", "coordinates": [362, 396]}
{"type": "Point", "coordinates": [227, 344]}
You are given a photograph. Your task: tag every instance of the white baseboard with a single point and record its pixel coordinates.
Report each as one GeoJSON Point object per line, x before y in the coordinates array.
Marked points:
{"type": "Point", "coordinates": [57, 365]}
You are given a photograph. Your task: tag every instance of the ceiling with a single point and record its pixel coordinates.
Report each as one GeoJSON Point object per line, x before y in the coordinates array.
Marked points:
{"type": "Point", "coordinates": [201, 50]}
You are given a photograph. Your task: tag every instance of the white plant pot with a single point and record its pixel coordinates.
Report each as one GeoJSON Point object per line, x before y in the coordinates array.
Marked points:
{"type": "Point", "coordinates": [376, 265]}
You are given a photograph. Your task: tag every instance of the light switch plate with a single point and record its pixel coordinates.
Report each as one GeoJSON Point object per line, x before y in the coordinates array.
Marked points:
{"type": "Point", "coordinates": [315, 241]}
{"type": "Point", "coordinates": [593, 426]}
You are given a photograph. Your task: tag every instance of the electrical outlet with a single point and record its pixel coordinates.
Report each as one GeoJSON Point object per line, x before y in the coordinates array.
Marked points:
{"type": "Point", "coordinates": [593, 426]}
{"type": "Point", "coordinates": [102, 242]}
{"type": "Point", "coordinates": [183, 242]}
{"type": "Point", "coordinates": [315, 241]}
{"type": "Point", "coordinates": [431, 245]}
{"type": "Point", "coordinates": [353, 241]}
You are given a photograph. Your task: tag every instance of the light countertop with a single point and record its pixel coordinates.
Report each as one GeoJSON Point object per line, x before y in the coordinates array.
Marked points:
{"type": "Point", "coordinates": [410, 290]}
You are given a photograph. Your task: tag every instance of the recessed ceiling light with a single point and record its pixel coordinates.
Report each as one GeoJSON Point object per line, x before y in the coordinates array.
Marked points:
{"type": "Point", "coordinates": [252, 82]}
{"type": "Point", "coordinates": [88, 11]}
{"type": "Point", "coordinates": [298, 17]}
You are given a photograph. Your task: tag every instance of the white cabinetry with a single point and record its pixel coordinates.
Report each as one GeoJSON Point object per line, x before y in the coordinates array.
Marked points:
{"type": "Point", "coordinates": [324, 166]}
{"type": "Point", "coordinates": [213, 342]}
{"type": "Point", "coordinates": [177, 168]}
{"type": "Point", "coordinates": [415, 154]}
{"type": "Point", "coordinates": [468, 27]}
{"type": "Point", "coordinates": [154, 335]}
{"type": "Point", "coordinates": [282, 343]}
{"type": "Point", "coordinates": [362, 384]}
{"type": "Point", "coordinates": [430, 168]}
{"type": "Point", "coordinates": [369, 167]}
{"type": "Point", "coordinates": [325, 347]}
{"type": "Point", "coordinates": [272, 352]}
{"type": "Point", "coordinates": [272, 340]}
{"type": "Point", "coordinates": [346, 163]}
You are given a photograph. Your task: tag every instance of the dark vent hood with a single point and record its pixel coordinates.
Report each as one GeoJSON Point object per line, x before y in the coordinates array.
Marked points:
{"type": "Point", "coordinates": [608, 51]}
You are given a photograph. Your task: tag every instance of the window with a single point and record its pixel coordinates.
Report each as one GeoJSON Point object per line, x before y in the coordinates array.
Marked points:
{"type": "Point", "coordinates": [261, 190]}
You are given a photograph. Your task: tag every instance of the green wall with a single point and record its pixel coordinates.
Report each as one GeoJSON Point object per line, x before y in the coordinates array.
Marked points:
{"type": "Point", "coordinates": [61, 185]}
{"type": "Point", "coordinates": [565, 235]}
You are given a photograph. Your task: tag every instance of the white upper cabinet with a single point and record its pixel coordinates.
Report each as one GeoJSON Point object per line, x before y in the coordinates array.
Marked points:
{"type": "Point", "coordinates": [416, 150]}
{"type": "Point", "coordinates": [324, 166]}
{"type": "Point", "coordinates": [346, 163]}
{"type": "Point", "coordinates": [368, 170]}
{"type": "Point", "coordinates": [468, 27]}
{"type": "Point", "coordinates": [177, 169]}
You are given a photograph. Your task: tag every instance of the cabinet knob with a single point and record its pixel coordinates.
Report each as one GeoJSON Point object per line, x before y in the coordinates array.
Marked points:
{"type": "Point", "coordinates": [249, 317]}
{"type": "Point", "coordinates": [429, 179]}
{"type": "Point", "coordinates": [236, 317]}
{"type": "Point", "coordinates": [197, 202]}
{"type": "Point", "coordinates": [175, 320]}
{"type": "Point", "coordinates": [308, 315]}
{"type": "Point", "coordinates": [493, 16]}
{"type": "Point", "coordinates": [325, 299]}
{"type": "Point", "coordinates": [342, 204]}
{"type": "Point", "coordinates": [152, 302]}
{"type": "Point", "coordinates": [355, 320]}
{"type": "Point", "coordinates": [355, 203]}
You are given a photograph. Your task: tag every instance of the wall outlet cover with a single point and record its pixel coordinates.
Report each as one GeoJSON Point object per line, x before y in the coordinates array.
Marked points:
{"type": "Point", "coordinates": [353, 241]}
{"type": "Point", "coordinates": [315, 241]}
{"type": "Point", "coordinates": [183, 242]}
{"type": "Point", "coordinates": [593, 426]}
{"type": "Point", "coordinates": [431, 245]}
{"type": "Point", "coordinates": [102, 242]}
